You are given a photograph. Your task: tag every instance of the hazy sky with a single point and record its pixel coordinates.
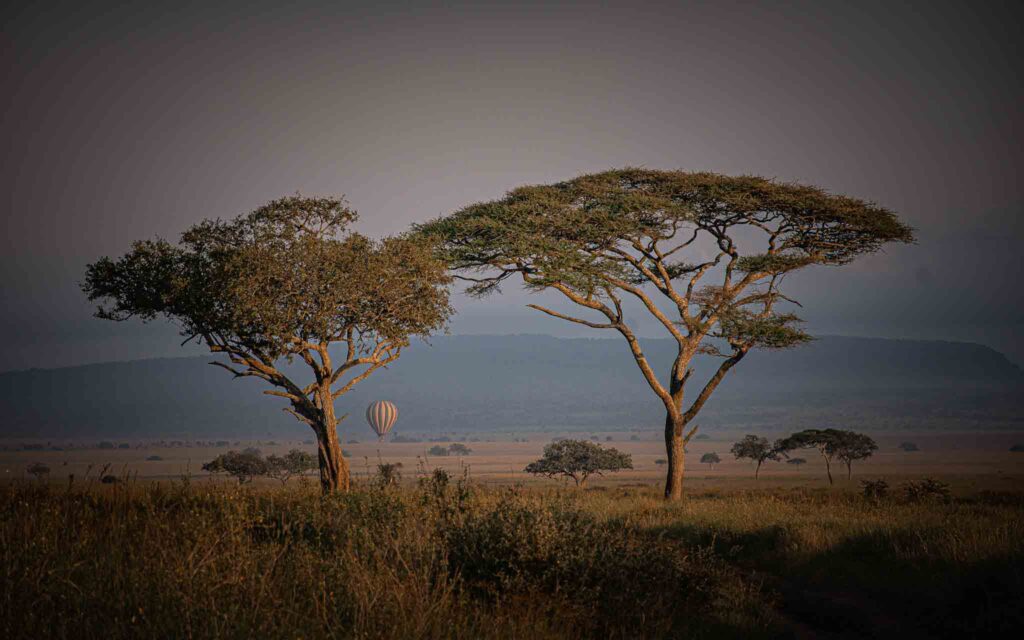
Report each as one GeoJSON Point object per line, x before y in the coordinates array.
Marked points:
{"type": "Point", "coordinates": [133, 121]}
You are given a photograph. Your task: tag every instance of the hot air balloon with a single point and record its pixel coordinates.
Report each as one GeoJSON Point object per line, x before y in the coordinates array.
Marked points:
{"type": "Point", "coordinates": [381, 415]}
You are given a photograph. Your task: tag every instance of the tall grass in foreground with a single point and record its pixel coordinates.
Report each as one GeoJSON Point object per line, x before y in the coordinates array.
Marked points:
{"type": "Point", "coordinates": [449, 560]}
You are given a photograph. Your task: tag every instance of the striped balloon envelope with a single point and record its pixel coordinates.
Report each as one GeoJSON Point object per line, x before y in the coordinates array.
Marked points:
{"type": "Point", "coordinates": [381, 415]}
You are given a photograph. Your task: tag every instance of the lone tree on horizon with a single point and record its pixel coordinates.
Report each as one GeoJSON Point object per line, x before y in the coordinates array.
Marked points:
{"type": "Point", "coordinates": [283, 283]}
{"type": "Point", "coordinates": [704, 254]}
{"type": "Point", "coordinates": [579, 459]}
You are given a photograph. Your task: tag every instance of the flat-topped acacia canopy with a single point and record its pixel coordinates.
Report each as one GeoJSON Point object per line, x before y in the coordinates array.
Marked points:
{"type": "Point", "coordinates": [703, 253]}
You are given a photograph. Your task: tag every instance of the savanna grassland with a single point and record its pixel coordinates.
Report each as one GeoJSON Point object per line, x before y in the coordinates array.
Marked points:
{"type": "Point", "coordinates": [444, 556]}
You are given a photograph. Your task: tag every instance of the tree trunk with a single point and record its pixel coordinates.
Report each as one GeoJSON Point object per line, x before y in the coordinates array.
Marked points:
{"type": "Point", "coordinates": [676, 459]}
{"type": "Point", "coordinates": [757, 469]}
{"type": "Point", "coordinates": [334, 473]}
{"type": "Point", "coordinates": [828, 470]}
{"type": "Point", "coordinates": [849, 470]}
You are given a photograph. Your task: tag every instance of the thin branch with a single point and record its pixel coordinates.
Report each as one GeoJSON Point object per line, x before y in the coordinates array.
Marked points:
{"type": "Point", "coordinates": [595, 325]}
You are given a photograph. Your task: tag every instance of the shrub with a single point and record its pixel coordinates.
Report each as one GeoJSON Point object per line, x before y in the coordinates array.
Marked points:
{"type": "Point", "coordinates": [926, 489]}
{"type": "Point", "coordinates": [661, 461]}
{"type": "Point", "coordinates": [38, 469]}
{"type": "Point", "coordinates": [154, 458]}
{"type": "Point", "coordinates": [438, 450]}
{"type": "Point", "coordinates": [243, 466]}
{"type": "Point", "coordinates": [521, 547]}
{"type": "Point", "coordinates": [389, 473]}
{"type": "Point", "coordinates": [110, 479]}
{"type": "Point", "coordinates": [908, 447]}
{"type": "Point", "coordinates": [874, 489]}
{"type": "Point", "coordinates": [459, 449]}
{"type": "Point", "coordinates": [1017, 448]}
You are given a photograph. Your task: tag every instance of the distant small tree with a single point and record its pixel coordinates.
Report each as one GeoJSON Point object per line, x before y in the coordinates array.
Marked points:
{"type": "Point", "coordinates": [710, 459]}
{"type": "Point", "coordinates": [1017, 448]}
{"type": "Point", "coordinates": [437, 450]}
{"type": "Point", "coordinates": [702, 436]}
{"type": "Point", "coordinates": [459, 449]}
{"type": "Point", "coordinates": [854, 446]}
{"type": "Point", "coordinates": [293, 463]}
{"type": "Point", "coordinates": [243, 466]}
{"type": "Point", "coordinates": [579, 459]}
{"type": "Point", "coordinates": [833, 444]}
{"type": "Point", "coordinates": [106, 445]}
{"type": "Point", "coordinates": [908, 447]}
{"type": "Point", "coordinates": [757, 449]}
{"type": "Point", "coordinates": [154, 458]}
{"type": "Point", "coordinates": [661, 461]}
{"type": "Point", "coordinates": [38, 469]}
{"type": "Point", "coordinates": [796, 462]}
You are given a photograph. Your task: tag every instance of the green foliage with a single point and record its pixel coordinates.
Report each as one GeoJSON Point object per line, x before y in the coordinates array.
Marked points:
{"type": "Point", "coordinates": [579, 459]}
{"type": "Point", "coordinates": [438, 450]}
{"type": "Point", "coordinates": [458, 449]}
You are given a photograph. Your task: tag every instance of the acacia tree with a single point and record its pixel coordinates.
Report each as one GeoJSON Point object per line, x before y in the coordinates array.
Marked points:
{"type": "Point", "coordinates": [710, 459]}
{"type": "Point", "coordinates": [832, 444]}
{"type": "Point", "coordinates": [579, 459]}
{"type": "Point", "coordinates": [244, 466]}
{"type": "Point", "coordinates": [285, 283]}
{"type": "Point", "coordinates": [757, 449]}
{"type": "Point", "coordinates": [293, 463]}
{"type": "Point", "coordinates": [704, 254]}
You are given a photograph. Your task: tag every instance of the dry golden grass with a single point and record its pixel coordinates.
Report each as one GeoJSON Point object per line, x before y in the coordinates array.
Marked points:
{"type": "Point", "coordinates": [462, 560]}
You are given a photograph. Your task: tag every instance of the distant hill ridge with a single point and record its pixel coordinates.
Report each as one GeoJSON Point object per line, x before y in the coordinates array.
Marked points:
{"type": "Point", "coordinates": [480, 383]}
